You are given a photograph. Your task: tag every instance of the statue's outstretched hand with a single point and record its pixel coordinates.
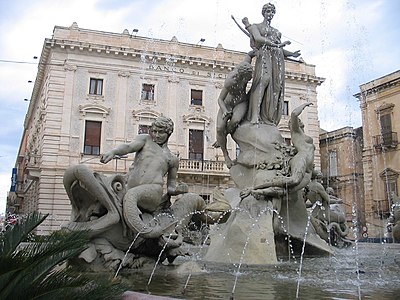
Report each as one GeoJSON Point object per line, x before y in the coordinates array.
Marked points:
{"type": "Point", "coordinates": [245, 192]}
{"type": "Point", "coordinates": [286, 43]}
{"type": "Point", "coordinates": [306, 104]}
{"type": "Point", "coordinates": [245, 21]}
{"type": "Point", "coordinates": [106, 157]}
{"type": "Point", "coordinates": [298, 110]}
{"type": "Point", "coordinates": [296, 53]}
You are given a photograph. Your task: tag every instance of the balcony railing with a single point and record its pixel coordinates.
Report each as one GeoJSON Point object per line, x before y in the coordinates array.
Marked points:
{"type": "Point", "coordinates": [386, 140]}
{"type": "Point", "coordinates": [209, 166]}
{"type": "Point", "coordinates": [381, 208]}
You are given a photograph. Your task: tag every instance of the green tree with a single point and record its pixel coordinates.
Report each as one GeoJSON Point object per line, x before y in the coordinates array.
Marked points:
{"type": "Point", "coordinates": [36, 271]}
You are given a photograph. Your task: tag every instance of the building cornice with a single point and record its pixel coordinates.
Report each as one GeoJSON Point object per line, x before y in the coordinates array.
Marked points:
{"type": "Point", "coordinates": [170, 59]}
{"type": "Point", "coordinates": [44, 57]}
{"type": "Point", "coordinates": [339, 134]}
{"type": "Point", "coordinates": [169, 52]}
{"type": "Point", "coordinates": [379, 85]}
{"type": "Point", "coordinates": [304, 77]}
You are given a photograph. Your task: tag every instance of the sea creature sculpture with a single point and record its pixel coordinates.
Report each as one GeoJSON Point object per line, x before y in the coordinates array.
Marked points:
{"type": "Point", "coordinates": [97, 207]}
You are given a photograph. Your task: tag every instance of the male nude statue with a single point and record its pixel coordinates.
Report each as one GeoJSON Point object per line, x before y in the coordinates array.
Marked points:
{"type": "Point", "coordinates": [318, 197]}
{"type": "Point", "coordinates": [233, 103]}
{"type": "Point", "coordinates": [152, 162]}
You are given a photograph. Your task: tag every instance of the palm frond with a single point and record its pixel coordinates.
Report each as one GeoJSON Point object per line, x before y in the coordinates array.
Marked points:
{"type": "Point", "coordinates": [49, 258]}
{"type": "Point", "coordinates": [28, 271]}
{"type": "Point", "coordinates": [78, 287]}
{"type": "Point", "coordinates": [13, 237]}
{"type": "Point", "coordinates": [57, 285]}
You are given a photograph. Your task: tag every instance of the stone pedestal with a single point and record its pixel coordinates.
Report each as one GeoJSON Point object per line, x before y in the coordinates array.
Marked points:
{"type": "Point", "coordinates": [248, 236]}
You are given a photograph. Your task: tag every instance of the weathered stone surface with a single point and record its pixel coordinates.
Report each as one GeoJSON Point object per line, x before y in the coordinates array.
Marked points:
{"type": "Point", "coordinates": [247, 237]}
{"type": "Point", "coordinates": [130, 217]}
{"type": "Point", "coordinates": [135, 214]}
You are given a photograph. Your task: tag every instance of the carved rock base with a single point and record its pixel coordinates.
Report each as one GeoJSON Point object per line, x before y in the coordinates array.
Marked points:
{"type": "Point", "coordinates": [247, 237]}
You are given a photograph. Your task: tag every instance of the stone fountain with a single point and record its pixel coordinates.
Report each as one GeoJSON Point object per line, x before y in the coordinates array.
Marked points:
{"type": "Point", "coordinates": [278, 209]}
{"type": "Point", "coordinates": [262, 219]}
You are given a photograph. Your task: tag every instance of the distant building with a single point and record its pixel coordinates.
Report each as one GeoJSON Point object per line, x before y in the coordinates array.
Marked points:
{"type": "Point", "coordinates": [380, 107]}
{"type": "Point", "coordinates": [95, 90]}
{"type": "Point", "coordinates": [341, 165]}
{"type": "Point", "coordinates": [362, 165]}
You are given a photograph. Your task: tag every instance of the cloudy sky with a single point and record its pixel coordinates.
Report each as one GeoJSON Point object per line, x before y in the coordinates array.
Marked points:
{"type": "Point", "coordinates": [351, 42]}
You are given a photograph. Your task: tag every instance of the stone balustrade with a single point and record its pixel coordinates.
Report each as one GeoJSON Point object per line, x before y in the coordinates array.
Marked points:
{"type": "Point", "coordinates": [207, 166]}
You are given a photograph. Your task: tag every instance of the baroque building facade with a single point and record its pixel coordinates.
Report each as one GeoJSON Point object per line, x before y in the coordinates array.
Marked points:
{"type": "Point", "coordinates": [380, 108]}
{"type": "Point", "coordinates": [95, 90]}
{"type": "Point", "coordinates": [362, 165]}
{"type": "Point", "coordinates": [342, 169]}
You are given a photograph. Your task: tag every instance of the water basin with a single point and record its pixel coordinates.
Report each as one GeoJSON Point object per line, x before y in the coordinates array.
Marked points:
{"type": "Point", "coordinates": [364, 271]}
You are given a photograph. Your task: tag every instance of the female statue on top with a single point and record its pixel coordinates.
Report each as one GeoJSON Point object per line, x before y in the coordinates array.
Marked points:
{"type": "Point", "coordinates": [267, 90]}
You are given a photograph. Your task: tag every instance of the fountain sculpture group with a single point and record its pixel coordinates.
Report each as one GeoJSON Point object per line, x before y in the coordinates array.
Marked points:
{"type": "Point", "coordinates": [263, 218]}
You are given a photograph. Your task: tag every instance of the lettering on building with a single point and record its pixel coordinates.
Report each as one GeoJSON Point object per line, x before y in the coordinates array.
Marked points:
{"type": "Point", "coordinates": [173, 69]}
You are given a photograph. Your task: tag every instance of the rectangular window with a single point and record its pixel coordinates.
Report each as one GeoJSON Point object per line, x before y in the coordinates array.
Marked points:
{"type": "Point", "coordinates": [196, 97]}
{"type": "Point", "coordinates": [386, 129]}
{"type": "Point", "coordinates": [96, 86]}
{"type": "Point", "coordinates": [390, 188]}
{"type": "Point", "coordinates": [92, 138]}
{"type": "Point", "coordinates": [196, 144]}
{"type": "Point", "coordinates": [147, 92]}
{"type": "Point", "coordinates": [285, 108]}
{"type": "Point", "coordinates": [333, 170]}
{"type": "Point", "coordinates": [144, 128]}
{"type": "Point", "coordinates": [386, 123]}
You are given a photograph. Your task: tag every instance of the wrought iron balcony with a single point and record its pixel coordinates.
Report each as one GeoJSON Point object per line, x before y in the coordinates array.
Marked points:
{"type": "Point", "coordinates": [386, 140]}
{"type": "Point", "coordinates": [381, 208]}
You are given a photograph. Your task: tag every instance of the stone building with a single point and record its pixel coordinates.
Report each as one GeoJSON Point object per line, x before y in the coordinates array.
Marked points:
{"type": "Point", "coordinates": [95, 90]}
{"type": "Point", "coordinates": [380, 107]}
{"type": "Point", "coordinates": [341, 165]}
